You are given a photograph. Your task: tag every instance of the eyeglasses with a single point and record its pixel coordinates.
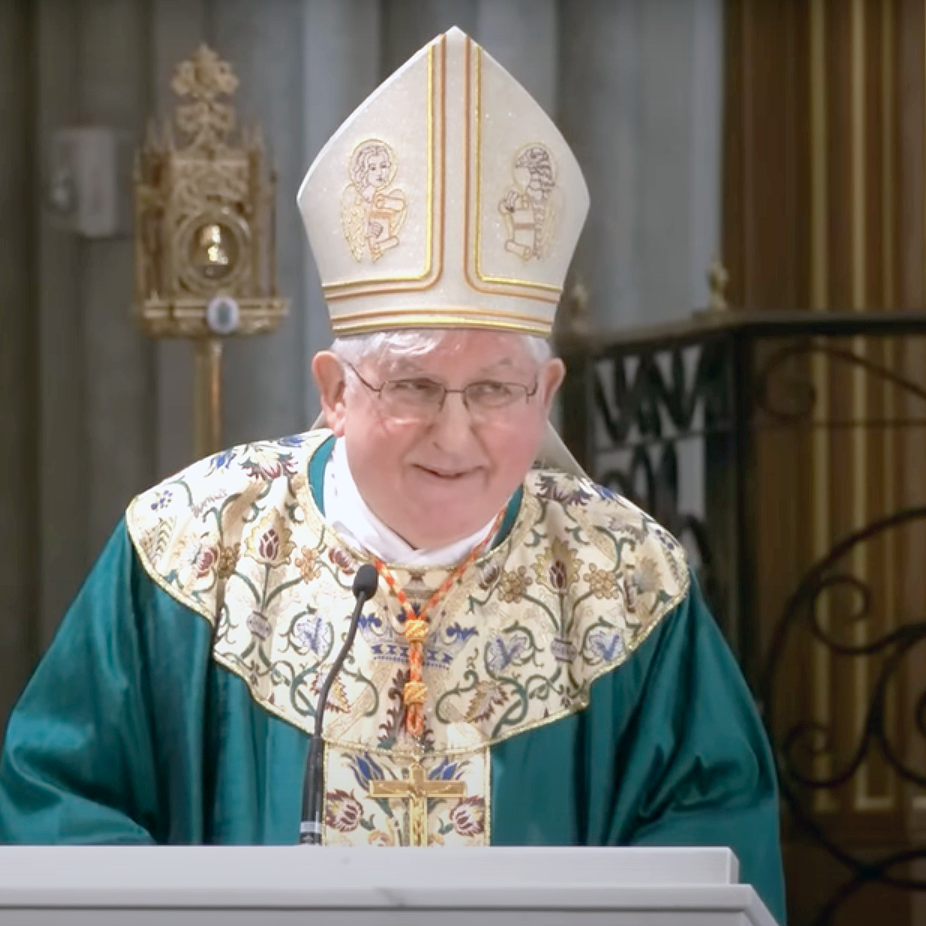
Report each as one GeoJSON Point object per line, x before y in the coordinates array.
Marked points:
{"type": "Point", "coordinates": [421, 399]}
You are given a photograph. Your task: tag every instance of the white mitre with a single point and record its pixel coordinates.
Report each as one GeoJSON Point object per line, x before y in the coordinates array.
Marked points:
{"type": "Point", "coordinates": [447, 199]}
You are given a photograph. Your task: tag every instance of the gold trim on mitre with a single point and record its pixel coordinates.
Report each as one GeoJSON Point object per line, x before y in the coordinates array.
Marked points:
{"type": "Point", "coordinates": [447, 199]}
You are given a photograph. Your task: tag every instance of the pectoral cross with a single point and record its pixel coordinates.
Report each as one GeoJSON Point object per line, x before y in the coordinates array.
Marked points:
{"type": "Point", "coordinates": [417, 789]}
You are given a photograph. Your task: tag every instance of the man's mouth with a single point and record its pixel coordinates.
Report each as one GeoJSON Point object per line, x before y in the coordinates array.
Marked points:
{"type": "Point", "coordinates": [446, 474]}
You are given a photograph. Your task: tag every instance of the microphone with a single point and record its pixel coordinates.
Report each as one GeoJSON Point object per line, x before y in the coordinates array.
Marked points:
{"type": "Point", "coordinates": [311, 827]}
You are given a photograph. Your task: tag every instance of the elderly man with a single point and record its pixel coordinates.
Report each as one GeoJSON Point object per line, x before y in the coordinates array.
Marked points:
{"type": "Point", "coordinates": [537, 655]}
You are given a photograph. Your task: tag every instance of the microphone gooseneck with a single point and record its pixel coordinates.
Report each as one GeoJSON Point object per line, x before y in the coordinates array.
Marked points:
{"type": "Point", "coordinates": [311, 828]}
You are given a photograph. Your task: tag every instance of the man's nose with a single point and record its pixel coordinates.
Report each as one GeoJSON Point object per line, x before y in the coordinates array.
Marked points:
{"type": "Point", "coordinates": [452, 429]}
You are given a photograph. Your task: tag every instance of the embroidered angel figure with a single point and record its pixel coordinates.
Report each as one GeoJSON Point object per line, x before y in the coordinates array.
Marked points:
{"type": "Point", "coordinates": [529, 207]}
{"type": "Point", "coordinates": [371, 213]}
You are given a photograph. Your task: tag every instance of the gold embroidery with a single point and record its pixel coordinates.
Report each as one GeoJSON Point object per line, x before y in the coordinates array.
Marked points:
{"type": "Point", "coordinates": [529, 207]}
{"type": "Point", "coordinates": [377, 798]}
{"type": "Point", "coordinates": [434, 196]}
{"type": "Point", "coordinates": [238, 539]}
{"type": "Point", "coordinates": [473, 169]}
{"type": "Point", "coordinates": [372, 210]}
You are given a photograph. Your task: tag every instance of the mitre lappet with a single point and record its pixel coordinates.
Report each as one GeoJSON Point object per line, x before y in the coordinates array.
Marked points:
{"type": "Point", "coordinates": [447, 199]}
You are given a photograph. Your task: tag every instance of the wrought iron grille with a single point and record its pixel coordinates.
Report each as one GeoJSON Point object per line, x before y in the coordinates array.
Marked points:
{"type": "Point", "coordinates": [688, 420]}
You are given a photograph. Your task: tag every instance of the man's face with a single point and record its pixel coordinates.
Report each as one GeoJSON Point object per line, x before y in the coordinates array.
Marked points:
{"type": "Point", "coordinates": [434, 482]}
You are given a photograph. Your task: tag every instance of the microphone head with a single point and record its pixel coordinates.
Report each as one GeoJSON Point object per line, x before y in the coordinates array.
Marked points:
{"type": "Point", "coordinates": [365, 581]}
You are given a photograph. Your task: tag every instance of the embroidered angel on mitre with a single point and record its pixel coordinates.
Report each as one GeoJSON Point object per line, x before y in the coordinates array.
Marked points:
{"type": "Point", "coordinates": [371, 213]}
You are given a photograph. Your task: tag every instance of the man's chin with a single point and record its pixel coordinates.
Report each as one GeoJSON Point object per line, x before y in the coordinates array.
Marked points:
{"type": "Point", "coordinates": [444, 524]}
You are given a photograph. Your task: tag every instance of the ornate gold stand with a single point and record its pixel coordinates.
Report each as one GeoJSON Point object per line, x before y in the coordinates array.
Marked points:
{"type": "Point", "coordinates": [204, 235]}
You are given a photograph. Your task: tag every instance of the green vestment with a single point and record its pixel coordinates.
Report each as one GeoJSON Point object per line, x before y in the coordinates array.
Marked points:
{"type": "Point", "coordinates": [173, 703]}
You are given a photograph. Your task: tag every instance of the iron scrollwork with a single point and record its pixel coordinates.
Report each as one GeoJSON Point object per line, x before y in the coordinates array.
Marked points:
{"type": "Point", "coordinates": [801, 743]}
{"type": "Point", "coordinates": [719, 385]}
{"type": "Point", "coordinates": [647, 406]}
{"type": "Point", "coordinates": [773, 379]}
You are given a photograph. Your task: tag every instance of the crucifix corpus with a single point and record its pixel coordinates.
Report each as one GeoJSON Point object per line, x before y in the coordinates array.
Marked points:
{"type": "Point", "coordinates": [205, 250]}
{"type": "Point", "coordinates": [418, 790]}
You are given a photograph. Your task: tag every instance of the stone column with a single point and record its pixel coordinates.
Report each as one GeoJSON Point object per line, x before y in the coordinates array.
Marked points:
{"type": "Point", "coordinates": [522, 36]}
{"type": "Point", "coordinates": [64, 500]}
{"type": "Point", "coordinates": [118, 362]}
{"type": "Point", "coordinates": [18, 447]}
{"type": "Point", "coordinates": [641, 101]}
{"type": "Point", "coordinates": [409, 24]}
{"type": "Point", "coordinates": [95, 369]}
{"type": "Point", "coordinates": [265, 377]}
{"type": "Point", "coordinates": [341, 54]}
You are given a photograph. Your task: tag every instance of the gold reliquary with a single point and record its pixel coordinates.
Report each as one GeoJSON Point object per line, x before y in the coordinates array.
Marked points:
{"type": "Point", "coordinates": [205, 217]}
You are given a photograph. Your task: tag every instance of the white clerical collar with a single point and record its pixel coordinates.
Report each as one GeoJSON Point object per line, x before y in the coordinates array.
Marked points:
{"type": "Point", "coordinates": [350, 516]}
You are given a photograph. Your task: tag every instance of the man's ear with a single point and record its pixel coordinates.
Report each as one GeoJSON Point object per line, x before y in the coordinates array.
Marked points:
{"type": "Point", "coordinates": [328, 374]}
{"type": "Point", "coordinates": [551, 378]}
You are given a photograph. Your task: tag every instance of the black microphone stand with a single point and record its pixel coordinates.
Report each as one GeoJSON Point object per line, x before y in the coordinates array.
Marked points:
{"type": "Point", "coordinates": [312, 825]}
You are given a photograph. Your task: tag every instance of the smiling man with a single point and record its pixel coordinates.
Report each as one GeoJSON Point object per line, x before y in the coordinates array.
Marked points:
{"type": "Point", "coordinates": [537, 666]}
{"type": "Point", "coordinates": [439, 428]}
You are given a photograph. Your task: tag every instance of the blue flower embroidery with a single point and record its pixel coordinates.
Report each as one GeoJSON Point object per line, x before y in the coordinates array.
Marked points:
{"type": "Point", "coordinates": [447, 770]}
{"type": "Point", "coordinates": [369, 622]}
{"type": "Point", "coordinates": [606, 644]}
{"type": "Point", "coordinates": [458, 634]}
{"type": "Point", "coordinates": [293, 440]}
{"type": "Point", "coordinates": [314, 633]}
{"type": "Point", "coordinates": [365, 769]}
{"type": "Point", "coordinates": [502, 652]}
{"type": "Point", "coordinates": [554, 490]}
{"type": "Point", "coordinates": [222, 460]}
{"type": "Point", "coordinates": [162, 500]}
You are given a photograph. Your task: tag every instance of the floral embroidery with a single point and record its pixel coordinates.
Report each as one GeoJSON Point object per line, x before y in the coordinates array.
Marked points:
{"type": "Point", "coordinates": [558, 566]}
{"type": "Point", "coordinates": [578, 585]}
{"type": "Point", "coordinates": [604, 644]}
{"type": "Point", "coordinates": [338, 701]}
{"type": "Point", "coordinates": [602, 583]}
{"type": "Point", "coordinates": [307, 564]}
{"type": "Point", "coordinates": [354, 817]}
{"type": "Point", "coordinates": [206, 560]}
{"type": "Point", "coordinates": [489, 574]}
{"type": "Point", "coordinates": [343, 560]}
{"type": "Point", "coordinates": [513, 648]}
{"type": "Point", "coordinates": [646, 576]}
{"type": "Point", "coordinates": [390, 728]}
{"type": "Point", "coordinates": [468, 817]}
{"type": "Point", "coordinates": [221, 460]}
{"type": "Point", "coordinates": [270, 543]}
{"type": "Point", "coordinates": [554, 490]}
{"type": "Point", "coordinates": [314, 633]}
{"type": "Point", "coordinates": [365, 769]}
{"type": "Point", "coordinates": [513, 585]}
{"type": "Point", "coordinates": [343, 811]}
{"type": "Point", "coordinates": [265, 462]}
{"type": "Point", "coordinates": [161, 500]}
{"type": "Point", "coordinates": [487, 696]}
{"type": "Point", "coordinates": [189, 555]}
{"type": "Point", "coordinates": [228, 560]}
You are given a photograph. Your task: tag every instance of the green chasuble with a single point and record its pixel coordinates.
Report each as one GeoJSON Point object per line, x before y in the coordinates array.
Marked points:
{"type": "Point", "coordinates": [578, 690]}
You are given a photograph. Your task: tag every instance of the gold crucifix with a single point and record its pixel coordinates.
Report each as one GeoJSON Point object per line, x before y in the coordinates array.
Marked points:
{"type": "Point", "coordinates": [417, 789]}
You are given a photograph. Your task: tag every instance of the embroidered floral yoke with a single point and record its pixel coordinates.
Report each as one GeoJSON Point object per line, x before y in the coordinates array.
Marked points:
{"type": "Point", "coordinates": [578, 692]}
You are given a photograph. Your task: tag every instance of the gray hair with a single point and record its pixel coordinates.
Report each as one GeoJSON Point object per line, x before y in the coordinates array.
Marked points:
{"type": "Point", "coordinates": [417, 341]}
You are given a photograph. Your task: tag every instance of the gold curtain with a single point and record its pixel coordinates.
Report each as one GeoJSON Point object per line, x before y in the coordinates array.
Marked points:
{"type": "Point", "coordinates": [824, 189]}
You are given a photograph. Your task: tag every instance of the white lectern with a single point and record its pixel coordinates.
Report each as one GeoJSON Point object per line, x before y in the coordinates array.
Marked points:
{"type": "Point", "coordinates": [273, 886]}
